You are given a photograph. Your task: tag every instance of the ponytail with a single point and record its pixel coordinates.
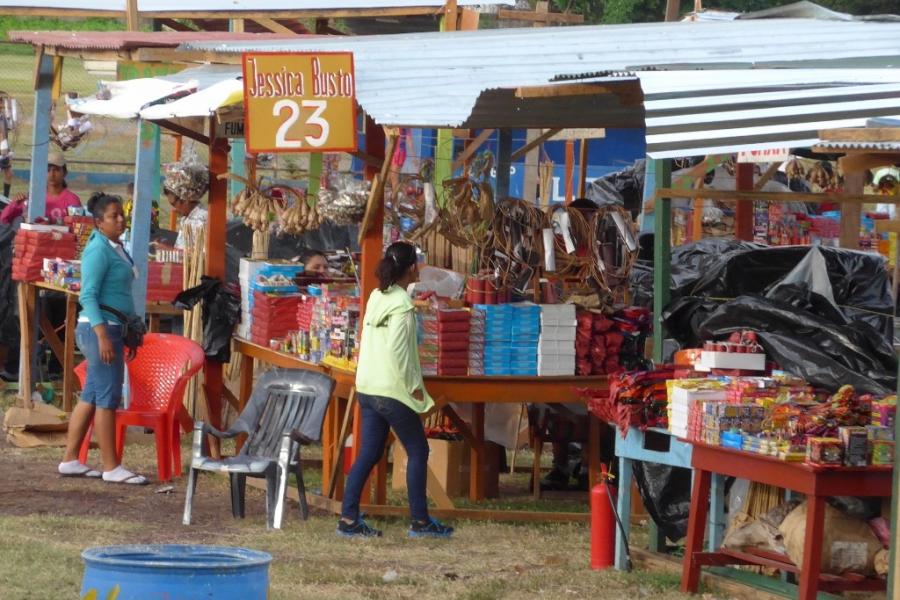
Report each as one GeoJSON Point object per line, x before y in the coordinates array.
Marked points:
{"type": "Point", "coordinates": [398, 258]}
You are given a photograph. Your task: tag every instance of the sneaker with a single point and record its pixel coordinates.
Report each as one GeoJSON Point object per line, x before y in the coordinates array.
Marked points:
{"type": "Point", "coordinates": [358, 528]}
{"type": "Point", "coordinates": [430, 528]}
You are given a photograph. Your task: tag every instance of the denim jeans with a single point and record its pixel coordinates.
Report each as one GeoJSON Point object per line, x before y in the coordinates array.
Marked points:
{"type": "Point", "coordinates": [103, 386]}
{"type": "Point", "coordinates": [379, 415]}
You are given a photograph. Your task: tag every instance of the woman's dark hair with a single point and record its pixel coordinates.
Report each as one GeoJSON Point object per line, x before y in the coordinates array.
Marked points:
{"type": "Point", "coordinates": [398, 258]}
{"type": "Point", "coordinates": [309, 253]}
{"type": "Point", "coordinates": [99, 202]}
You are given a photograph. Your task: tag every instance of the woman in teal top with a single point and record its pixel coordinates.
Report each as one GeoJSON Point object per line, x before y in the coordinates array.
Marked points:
{"type": "Point", "coordinates": [107, 274]}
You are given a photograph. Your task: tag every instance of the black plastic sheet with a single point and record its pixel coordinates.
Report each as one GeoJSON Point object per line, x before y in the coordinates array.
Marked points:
{"type": "Point", "coordinates": [666, 493]}
{"type": "Point", "coordinates": [625, 188]}
{"type": "Point", "coordinates": [221, 311]}
{"type": "Point", "coordinates": [825, 353]}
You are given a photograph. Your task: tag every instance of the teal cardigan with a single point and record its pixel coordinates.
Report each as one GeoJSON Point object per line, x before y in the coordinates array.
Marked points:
{"type": "Point", "coordinates": [106, 278]}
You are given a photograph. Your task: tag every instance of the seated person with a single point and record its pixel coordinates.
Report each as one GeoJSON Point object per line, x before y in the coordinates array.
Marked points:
{"type": "Point", "coordinates": [314, 262]}
{"type": "Point", "coordinates": [59, 196]}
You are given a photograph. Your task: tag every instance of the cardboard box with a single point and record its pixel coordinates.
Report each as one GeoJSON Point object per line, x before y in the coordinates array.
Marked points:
{"type": "Point", "coordinates": [732, 360]}
{"type": "Point", "coordinates": [449, 461]}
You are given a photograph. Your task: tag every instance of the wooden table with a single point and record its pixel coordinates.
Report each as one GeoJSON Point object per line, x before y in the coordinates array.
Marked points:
{"type": "Point", "coordinates": [63, 349]}
{"type": "Point", "coordinates": [815, 482]}
{"type": "Point", "coordinates": [478, 391]}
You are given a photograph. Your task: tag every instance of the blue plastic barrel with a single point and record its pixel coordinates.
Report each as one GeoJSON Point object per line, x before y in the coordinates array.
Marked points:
{"type": "Point", "coordinates": [174, 572]}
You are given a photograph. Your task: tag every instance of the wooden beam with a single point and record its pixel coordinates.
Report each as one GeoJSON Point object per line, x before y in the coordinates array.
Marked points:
{"type": "Point", "coordinates": [728, 195]}
{"type": "Point", "coordinates": [861, 134]}
{"type": "Point", "coordinates": [468, 19]}
{"type": "Point", "coordinates": [179, 26]}
{"type": "Point", "coordinates": [569, 170]}
{"type": "Point", "coordinates": [236, 25]}
{"type": "Point", "coordinates": [582, 167]}
{"type": "Point", "coordinates": [371, 161]}
{"type": "Point", "coordinates": [864, 162]}
{"type": "Point", "coordinates": [132, 16]}
{"type": "Point", "coordinates": [564, 89]}
{"type": "Point", "coordinates": [170, 55]}
{"type": "Point", "coordinates": [504, 161]}
{"type": "Point", "coordinates": [472, 147]}
{"type": "Point", "coordinates": [528, 15]}
{"type": "Point", "coordinates": [182, 130]}
{"type": "Point", "coordinates": [854, 183]}
{"type": "Point", "coordinates": [533, 144]}
{"type": "Point", "coordinates": [376, 195]}
{"type": "Point", "coordinates": [57, 78]}
{"type": "Point", "coordinates": [767, 176]}
{"type": "Point", "coordinates": [274, 26]}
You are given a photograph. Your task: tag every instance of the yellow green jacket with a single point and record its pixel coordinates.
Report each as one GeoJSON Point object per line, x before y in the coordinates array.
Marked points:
{"type": "Point", "coordinates": [388, 354]}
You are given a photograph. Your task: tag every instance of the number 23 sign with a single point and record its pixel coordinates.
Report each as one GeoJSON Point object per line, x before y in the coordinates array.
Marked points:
{"type": "Point", "coordinates": [300, 102]}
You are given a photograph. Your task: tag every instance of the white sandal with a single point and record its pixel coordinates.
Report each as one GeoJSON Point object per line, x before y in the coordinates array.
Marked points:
{"type": "Point", "coordinates": [126, 477]}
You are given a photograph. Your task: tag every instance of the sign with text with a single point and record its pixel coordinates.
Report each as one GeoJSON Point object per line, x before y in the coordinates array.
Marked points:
{"type": "Point", "coordinates": [300, 102]}
{"type": "Point", "coordinates": [765, 156]}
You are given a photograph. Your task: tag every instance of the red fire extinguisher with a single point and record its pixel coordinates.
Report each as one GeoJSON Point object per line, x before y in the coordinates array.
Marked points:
{"type": "Point", "coordinates": [603, 523]}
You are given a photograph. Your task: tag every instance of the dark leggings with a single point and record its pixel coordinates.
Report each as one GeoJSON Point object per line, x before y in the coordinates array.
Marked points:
{"type": "Point", "coordinates": [379, 416]}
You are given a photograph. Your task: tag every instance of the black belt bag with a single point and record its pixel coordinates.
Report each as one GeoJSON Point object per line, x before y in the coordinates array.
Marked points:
{"type": "Point", "coordinates": [133, 328]}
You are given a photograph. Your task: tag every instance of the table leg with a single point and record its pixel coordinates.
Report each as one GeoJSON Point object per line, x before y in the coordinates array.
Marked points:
{"type": "Point", "coordinates": [812, 548]}
{"type": "Point", "coordinates": [537, 449]}
{"type": "Point", "coordinates": [154, 323]}
{"type": "Point", "coordinates": [623, 507]}
{"type": "Point", "coordinates": [594, 459]}
{"type": "Point", "coordinates": [26, 345]}
{"type": "Point", "coordinates": [245, 389]}
{"type": "Point", "coordinates": [477, 457]}
{"type": "Point", "coordinates": [716, 512]}
{"type": "Point", "coordinates": [69, 354]}
{"type": "Point", "coordinates": [690, 576]}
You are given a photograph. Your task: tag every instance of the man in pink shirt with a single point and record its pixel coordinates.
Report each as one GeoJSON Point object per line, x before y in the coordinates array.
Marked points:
{"type": "Point", "coordinates": [59, 197]}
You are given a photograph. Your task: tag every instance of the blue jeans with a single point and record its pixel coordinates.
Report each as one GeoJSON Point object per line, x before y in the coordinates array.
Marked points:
{"type": "Point", "coordinates": [379, 415]}
{"type": "Point", "coordinates": [103, 385]}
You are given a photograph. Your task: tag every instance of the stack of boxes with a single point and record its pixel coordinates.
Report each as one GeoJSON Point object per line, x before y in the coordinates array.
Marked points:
{"type": "Point", "coordinates": [82, 227]}
{"type": "Point", "coordinates": [687, 399]}
{"type": "Point", "coordinates": [453, 342]}
{"type": "Point", "coordinates": [525, 333]}
{"type": "Point", "coordinates": [165, 280]}
{"type": "Point", "coordinates": [34, 243]}
{"type": "Point", "coordinates": [246, 276]}
{"type": "Point", "coordinates": [274, 317]}
{"type": "Point", "coordinates": [556, 347]}
{"type": "Point", "coordinates": [427, 322]}
{"type": "Point", "coordinates": [477, 320]}
{"type": "Point", "coordinates": [497, 338]}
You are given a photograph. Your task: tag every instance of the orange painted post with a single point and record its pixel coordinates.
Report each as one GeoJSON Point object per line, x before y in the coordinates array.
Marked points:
{"type": "Point", "coordinates": [215, 259]}
{"type": "Point", "coordinates": [570, 170]}
{"type": "Point", "coordinates": [743, 214]}
{"type": "Point", "coordinates": [173, 218]}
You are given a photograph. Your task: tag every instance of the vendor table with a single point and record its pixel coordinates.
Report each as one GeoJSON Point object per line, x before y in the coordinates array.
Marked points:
{"type": "Point", "coordinates": [63, 349]}
{"type": "Point", "coordinates": [658, 446]}
{"type": "Point", "coordinates": [817, 483]}
{"type": "Point", "coordinates": [478, 391]}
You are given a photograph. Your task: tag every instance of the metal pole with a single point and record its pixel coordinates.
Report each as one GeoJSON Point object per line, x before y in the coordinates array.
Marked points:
{"type": "Point", "coordinates": [662, 255]}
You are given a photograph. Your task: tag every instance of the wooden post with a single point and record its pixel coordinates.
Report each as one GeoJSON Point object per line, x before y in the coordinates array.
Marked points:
{"type": "Point", "coordinates": [215, 258]}
{"type": "Point", "coordinates": [504, 152]}
{"type": "Point", "coordinates": [582, 167]}
{"type": "Point", "coordinates": [532, 159]}
{"type": "Point", "coordinates": [894, 562]}
{"type": "Point", "coordinates": [569, 170]}
{"type": "Point", "coordinates": [743, 213]}
{"type": "Point", "coordinates": [132, 20]}
{"type": "Point", "coordinates": [451, 16]}
{"type": "Point", "coordinates": [176, 156]}
{"type": "Point", "coordinates": [40, 145]}
{"type": "Point", "coordinates": [662, 256]}
{"type": "Point", "coordinates": [145, 171]}
{"type": "Point", "coordinates": [673, 10]}
{"type": "Point", "coordinates": [850, 213]}
{"type": "Point", "coordinates": [57, 77]}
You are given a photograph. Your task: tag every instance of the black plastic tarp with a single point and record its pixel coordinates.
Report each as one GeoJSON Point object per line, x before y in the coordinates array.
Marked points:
{"type": "Point", "coordinates": [625, 188]}
{"type": "Point", "coordinates": [666, 494]}
{"type": "Point", "coordinates": [220, 312]}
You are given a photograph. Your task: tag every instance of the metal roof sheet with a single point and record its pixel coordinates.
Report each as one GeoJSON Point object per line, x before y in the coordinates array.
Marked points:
{"type": "Point", "coordinates": [180, 6]}
{"type": "Point", "coordinates": [123, 40]}
{"type": "Point", "coordinates": [864, 146]}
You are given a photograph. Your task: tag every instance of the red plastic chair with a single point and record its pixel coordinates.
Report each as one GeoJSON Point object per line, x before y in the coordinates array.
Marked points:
{"type": "Point", "coordinates": [157, 379]}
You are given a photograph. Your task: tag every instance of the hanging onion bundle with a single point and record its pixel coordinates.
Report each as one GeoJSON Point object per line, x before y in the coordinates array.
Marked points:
{"type": "Point", "coordinates": [468, 207]}
{"type": "Point", "coordinates": [794, 169]}
{"type": "Point", "coordinates": [299, 217]}
{"type": "Point", "coordinates": [254, 204]}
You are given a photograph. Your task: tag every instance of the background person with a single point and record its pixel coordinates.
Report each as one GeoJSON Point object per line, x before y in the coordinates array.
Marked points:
{"type": "Point", "coordinates": [184, 186]}
{"type": "Point", "coordinates": [314, 261]}
{"type": "Point", "coordinates": [391, 395]}
{"type": "Point", "coordinates": [107, 274]}
{"type": "Point", "coordinates": [59, 196]}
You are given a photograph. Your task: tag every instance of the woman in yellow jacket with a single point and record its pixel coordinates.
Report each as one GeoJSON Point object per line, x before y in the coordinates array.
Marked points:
{"type": "Point", "coordinates": [391, 395]}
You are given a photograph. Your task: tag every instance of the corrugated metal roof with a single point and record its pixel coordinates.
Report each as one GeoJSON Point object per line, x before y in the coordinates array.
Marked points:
{"type": "Point", "coordinates": [163, 6]}
{"type": "Point", "coordinates": [123, 40]}
{"type": "Point", "coordinates": [864, 146]}
{"type": "Point", "coordinates": [417, 78]}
